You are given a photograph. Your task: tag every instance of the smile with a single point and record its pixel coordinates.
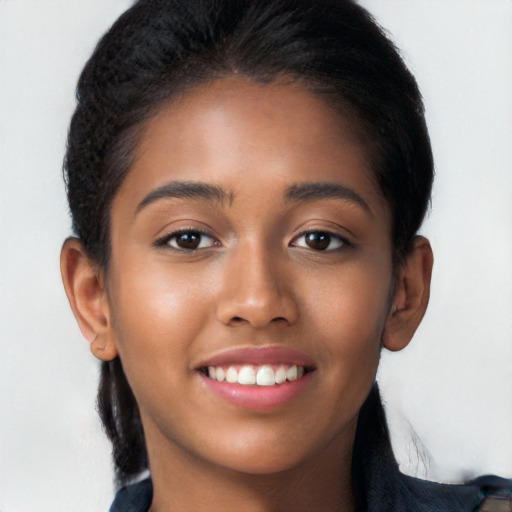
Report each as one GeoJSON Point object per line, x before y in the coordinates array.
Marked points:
{"type": "Point", "coordinates": [256, 375]}
{"type": "Point", "coordinates": [259, 378]}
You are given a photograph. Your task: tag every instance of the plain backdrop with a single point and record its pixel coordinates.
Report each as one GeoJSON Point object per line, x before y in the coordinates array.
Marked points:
{"type": "Point", "coordinates": [449, 395]}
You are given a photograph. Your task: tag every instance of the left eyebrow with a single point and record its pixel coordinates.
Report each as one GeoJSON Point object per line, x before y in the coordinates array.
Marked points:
{"type": "Point", "coordinates": [186, 190]}
{"type": "Point", "coordinates": [314, 191]}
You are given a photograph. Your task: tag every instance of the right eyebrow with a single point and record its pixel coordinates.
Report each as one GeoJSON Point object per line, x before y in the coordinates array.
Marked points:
{"type": "Point", "coordinates": [187, 190]}
{"type": "Point", "coordinates": [325, 190]}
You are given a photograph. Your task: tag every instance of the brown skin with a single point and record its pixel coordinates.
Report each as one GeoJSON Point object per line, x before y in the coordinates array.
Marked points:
{"type": "Point", "coordinates": [253, 281]}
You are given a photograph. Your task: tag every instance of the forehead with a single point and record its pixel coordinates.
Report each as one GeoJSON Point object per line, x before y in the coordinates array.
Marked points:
{"type": "Point", "coordinates": [244, 135]}
{"type": "Point", "coordinates": [234, 106]}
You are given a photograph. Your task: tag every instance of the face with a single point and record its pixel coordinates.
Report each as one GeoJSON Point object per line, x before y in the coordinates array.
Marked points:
{"type": "Point", "coordinates": [249, 243]}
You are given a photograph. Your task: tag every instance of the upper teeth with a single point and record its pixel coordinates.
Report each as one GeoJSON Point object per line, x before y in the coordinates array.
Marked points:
{"type": "Point", "coordinates": [250, 375]}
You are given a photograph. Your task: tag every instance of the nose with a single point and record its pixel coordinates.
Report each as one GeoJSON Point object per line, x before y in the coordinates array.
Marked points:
{"type": "Point", "coordinates": [256, 290]}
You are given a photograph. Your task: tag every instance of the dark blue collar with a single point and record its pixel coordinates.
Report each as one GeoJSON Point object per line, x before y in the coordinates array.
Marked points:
{"type": "Point", "coordinates": [134, 498]}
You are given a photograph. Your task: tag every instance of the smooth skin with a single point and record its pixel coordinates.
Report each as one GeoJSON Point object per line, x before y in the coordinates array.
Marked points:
{"type": "Point", "coordinates": [258, 257]}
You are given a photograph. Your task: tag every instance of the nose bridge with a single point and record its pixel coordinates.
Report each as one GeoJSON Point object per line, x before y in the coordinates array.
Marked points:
{"type": "Point", "coordinates": [255, 291]}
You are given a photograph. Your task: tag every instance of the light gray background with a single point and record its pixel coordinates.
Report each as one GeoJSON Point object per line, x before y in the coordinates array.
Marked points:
{"type": "Point", "coordinates": [450, 392]}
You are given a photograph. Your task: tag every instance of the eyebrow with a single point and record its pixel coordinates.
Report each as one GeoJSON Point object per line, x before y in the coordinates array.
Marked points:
{"type": "Point", "coordinates": [186, 190]}
{"type": "Point", "coordinates": [314, 191]}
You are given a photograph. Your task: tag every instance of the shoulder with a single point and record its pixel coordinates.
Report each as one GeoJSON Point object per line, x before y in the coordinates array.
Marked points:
{"type": "Point", "coordinates": [380, 486]}
{"type": "Point", "coordinates": [496, 493]}
{"type": "Point", "coordinates": [485, 494]}
{"type": "Point", "coordinates": [134, 498]}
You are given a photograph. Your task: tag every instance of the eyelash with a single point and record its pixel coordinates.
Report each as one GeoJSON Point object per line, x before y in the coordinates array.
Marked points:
{"type": "Point", "coordinates": [165, 241]}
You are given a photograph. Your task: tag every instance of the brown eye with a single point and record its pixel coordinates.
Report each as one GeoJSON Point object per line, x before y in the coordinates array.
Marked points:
{"type": "Point", "coordinates": [319, 241]}
{"type": "Point", "coordinates": [190, 241]}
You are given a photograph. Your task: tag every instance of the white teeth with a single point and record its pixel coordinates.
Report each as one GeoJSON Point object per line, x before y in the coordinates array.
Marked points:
{"type": "Point", "coordinates": [265, 376]}
{"type": "Point", "coordinates": [232, 375]}
{"type": "Point", "coordinates": [220, 374]}
{"type": "Point", "coordinates": [291, 373]}
{"type": "Point", "coordinates": [250, 375]}
{"type": "Point", "coordinates": [280, 375]}
{"type": "Point", "coordinates": [247, 376]}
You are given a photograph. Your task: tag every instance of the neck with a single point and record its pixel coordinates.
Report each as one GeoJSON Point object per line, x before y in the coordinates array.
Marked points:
{"type": "Point", "coordinates": [183, 483]}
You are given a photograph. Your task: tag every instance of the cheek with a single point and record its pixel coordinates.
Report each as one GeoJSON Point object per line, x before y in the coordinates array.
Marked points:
{"type": "Point", "coordinates": [157, 316]}
{"type": "Point", "coordinates": [354, 303]}
{"type": "Point", "coordinates": [157, 313]}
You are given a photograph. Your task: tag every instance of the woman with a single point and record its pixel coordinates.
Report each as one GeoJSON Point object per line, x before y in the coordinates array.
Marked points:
{"type": "Point", "coordinates": [246, 181]}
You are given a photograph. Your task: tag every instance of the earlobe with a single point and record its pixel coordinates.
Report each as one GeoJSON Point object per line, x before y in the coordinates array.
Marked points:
{"type": "Point", "coordinates": [411, 295]}
{"type": "Point", "coordinates": [85, 289]}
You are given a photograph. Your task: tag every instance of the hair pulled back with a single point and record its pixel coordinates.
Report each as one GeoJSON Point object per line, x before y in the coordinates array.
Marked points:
{"type": "Point", "coordinates": [160, 48]}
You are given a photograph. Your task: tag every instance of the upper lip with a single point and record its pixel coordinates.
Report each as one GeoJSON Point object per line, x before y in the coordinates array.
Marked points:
{"type": "Point", "coordinates": [257, 356]}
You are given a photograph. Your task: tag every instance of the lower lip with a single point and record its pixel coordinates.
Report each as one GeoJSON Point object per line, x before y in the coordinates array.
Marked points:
{"type": "Point", "coordinates": [258, 397]}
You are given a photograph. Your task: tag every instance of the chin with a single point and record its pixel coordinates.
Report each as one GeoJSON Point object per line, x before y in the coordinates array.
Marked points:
{"type": "Point", "coordinates": [258, 465]}
{"type": "Point", "coordinates": [265, 456]}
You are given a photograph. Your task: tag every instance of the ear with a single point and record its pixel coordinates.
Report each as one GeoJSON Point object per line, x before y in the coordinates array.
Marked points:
{"type": "Point", "coordinates": [85, 287]}
{"type": "Point", "coordinates": [410, 298]}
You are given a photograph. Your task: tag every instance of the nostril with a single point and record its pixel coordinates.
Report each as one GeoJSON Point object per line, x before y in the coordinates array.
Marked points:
{"type": "Point", "coordinates": [239, 319]}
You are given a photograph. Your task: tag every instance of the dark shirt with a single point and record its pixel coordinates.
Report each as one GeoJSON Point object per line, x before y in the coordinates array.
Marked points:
{"type": "Point", "coordinates": [378, 484]}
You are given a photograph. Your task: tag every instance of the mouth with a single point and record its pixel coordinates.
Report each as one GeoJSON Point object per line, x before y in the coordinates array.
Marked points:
{"type": "Point", "coordinates": [257, 377]}
{"type": "Point", "coordinates": [267, 375]}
